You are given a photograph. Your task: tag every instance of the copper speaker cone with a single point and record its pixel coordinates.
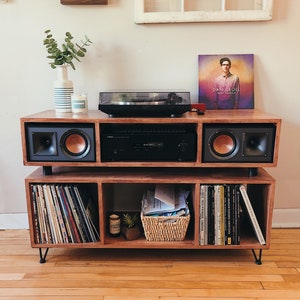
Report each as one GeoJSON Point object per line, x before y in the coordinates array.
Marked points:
{"type": "Point", "coordinates": [75, 144]}
{"type": "Point", "coordinates": [223, 144]}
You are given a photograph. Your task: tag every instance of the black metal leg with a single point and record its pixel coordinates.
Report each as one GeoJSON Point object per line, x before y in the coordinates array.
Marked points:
{"type": "Point", "coordinates": [257, 258]}
{"type": "Point", "coordinates": [43, 257]}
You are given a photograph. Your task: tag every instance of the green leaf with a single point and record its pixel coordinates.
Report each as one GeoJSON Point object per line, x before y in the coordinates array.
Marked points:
{"type": "Point", "coordinates": [72, 65]}
{"type": "Point", "coordinates": [68, 51]}
{"type": "Point", "coordinates": [80, 53]}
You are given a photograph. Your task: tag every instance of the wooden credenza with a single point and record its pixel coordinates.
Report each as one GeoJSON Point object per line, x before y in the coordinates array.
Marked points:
{"type": "Point", "coordinates": [116, 185]}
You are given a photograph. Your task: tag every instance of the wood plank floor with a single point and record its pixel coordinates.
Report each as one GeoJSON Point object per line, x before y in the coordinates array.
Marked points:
{"type": "Point", "coordinates": [149, 274]}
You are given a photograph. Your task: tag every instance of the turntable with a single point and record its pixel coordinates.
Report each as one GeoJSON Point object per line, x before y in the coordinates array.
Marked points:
{"type": "Point", "coordinates": [144, 104]}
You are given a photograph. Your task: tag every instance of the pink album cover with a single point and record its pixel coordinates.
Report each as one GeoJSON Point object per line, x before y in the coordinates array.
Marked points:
{"type": "Point", "coordinates": [226, 81]}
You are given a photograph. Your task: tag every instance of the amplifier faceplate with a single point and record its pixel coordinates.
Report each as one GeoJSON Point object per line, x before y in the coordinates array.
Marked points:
{"type": "Point", "coordinates": [148, 142]}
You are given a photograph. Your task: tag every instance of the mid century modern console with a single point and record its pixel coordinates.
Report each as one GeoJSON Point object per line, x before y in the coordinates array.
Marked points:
{"type": "Point", "coordinates": [72, 150]}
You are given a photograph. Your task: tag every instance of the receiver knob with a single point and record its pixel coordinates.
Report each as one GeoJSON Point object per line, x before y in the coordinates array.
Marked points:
{"type": "Point", "coordinates": [183, 146]}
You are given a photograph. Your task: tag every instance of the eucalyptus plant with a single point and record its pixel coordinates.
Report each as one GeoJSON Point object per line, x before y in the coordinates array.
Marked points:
{"type": "Point", "coordinates": [69, 50]}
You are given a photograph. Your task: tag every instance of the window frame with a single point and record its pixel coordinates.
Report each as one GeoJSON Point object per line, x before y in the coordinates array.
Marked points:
{"type": "Point", "coordinates": [222, 15]}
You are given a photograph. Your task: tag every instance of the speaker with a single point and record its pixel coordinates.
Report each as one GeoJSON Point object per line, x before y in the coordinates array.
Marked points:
{"type": "Point", "coordinates": [237, 143]}
{"type": "Point", "coordinates": [47, 142]}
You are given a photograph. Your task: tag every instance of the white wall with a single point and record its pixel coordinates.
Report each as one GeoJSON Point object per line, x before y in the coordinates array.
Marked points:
{"type": "Point", "coordinates": [129, 56]}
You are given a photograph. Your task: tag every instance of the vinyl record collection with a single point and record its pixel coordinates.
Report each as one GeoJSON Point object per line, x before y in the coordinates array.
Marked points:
{"type": "Point", "coordinates": [222, 206]}
{"type": "Point", "coordinates": [64, 213]}
{"type": "Point", "coordinates": [219, 215]}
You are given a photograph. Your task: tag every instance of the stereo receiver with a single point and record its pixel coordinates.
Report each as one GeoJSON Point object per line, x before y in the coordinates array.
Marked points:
{"type": "Point", "coordinates": [148, 142]}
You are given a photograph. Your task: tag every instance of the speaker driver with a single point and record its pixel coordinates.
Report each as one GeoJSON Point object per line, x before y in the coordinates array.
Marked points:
{"type": "Point", "coordinates": [75, 143]}
{"type": "Point", "coordinates": [223, 145]}
{"type": "Point", "coordinates": [44, 143]}
{"type": "Point", "coordinates": [255, 144]}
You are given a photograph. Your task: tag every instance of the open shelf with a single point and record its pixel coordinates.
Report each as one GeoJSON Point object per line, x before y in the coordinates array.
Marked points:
{"type": "Point", "coordinates": [120, 190]}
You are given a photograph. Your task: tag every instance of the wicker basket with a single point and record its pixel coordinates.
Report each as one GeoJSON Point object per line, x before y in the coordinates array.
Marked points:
{"type": "Point", "coordinates": [165, 228]}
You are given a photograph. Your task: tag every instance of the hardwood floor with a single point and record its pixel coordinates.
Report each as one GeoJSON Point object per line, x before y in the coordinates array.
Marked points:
{"type": "Point", "coordinates": [149, 274]}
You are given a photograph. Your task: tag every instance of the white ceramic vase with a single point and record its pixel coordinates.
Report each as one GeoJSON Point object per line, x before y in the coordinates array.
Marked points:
{"type": "Point", "coordinates": [63, 88]}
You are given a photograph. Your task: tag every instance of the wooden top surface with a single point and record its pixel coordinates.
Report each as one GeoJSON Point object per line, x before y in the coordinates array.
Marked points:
{"type": "Point", "coordinates": [153, 175]}
{"type": "Point", "coordinates": [210, 116]}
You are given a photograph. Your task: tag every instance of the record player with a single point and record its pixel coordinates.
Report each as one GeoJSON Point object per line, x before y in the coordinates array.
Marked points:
{"type": "Point", "coordinates": [144, 104]}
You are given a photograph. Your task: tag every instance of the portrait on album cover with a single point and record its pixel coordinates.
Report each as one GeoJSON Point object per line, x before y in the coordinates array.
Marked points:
{"type": "Point", "coordinates": [226, 81]}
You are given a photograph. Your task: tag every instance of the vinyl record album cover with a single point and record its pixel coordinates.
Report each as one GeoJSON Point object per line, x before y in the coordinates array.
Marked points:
{"type": "Point", "coordinates": [226, 81]}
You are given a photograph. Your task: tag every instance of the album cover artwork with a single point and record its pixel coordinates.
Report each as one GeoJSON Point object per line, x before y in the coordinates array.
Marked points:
{"type": "Point", "coordinates": [226, 81]}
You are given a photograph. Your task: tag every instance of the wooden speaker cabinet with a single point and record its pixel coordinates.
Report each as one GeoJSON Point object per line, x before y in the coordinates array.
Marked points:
{"type": "Point", "coordinates": [86, 153]}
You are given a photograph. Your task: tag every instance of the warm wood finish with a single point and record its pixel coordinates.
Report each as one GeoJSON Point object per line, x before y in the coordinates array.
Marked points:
{"type": "Point", "coordinates": [211, 117]}
{"type": "Point", "coordinates": [110, 274]}
{"type": "Point", "coordinates": [104, 181]}
{"type": "Point", "coordinates": [263, 185]}
{"type": "Point", "coordinates": [83, 2]}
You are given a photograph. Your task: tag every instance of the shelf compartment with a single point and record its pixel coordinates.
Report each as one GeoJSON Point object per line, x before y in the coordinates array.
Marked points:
{"type": "Point", "coordinates": [127, 197]}
{"type": "Point", "coordinates": [63, 213]}
{"type": "Point", "coordinates": [148, 142]}
{"type": "Point", "coordinates": [223, 217]}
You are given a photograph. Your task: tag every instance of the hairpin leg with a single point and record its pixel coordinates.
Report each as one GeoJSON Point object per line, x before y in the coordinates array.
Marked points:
{"type": "Point", "coordinates": [257, 258]}
{"type": "Point", "coordinates": [43, 257]}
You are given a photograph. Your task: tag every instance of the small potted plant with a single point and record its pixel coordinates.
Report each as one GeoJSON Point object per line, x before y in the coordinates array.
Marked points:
{"type": "Point", "coordinates": [69, 50]}
{"type": "Point", "coordinates": [130, 226]}
{"type": "Point", "coordinates": [60, 59]}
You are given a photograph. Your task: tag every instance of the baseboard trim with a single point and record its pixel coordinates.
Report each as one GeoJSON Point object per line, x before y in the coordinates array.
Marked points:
{"type": "Point", "coordinates": [282, 218]}
{"type": "Point", "coordinates": [286, 218]}
{"type": "Point", "coordinates": [14, 221]}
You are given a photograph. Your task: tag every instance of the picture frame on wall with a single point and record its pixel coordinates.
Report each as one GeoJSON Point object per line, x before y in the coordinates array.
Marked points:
{"type": "Point", "coordinates": [226, 81]}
